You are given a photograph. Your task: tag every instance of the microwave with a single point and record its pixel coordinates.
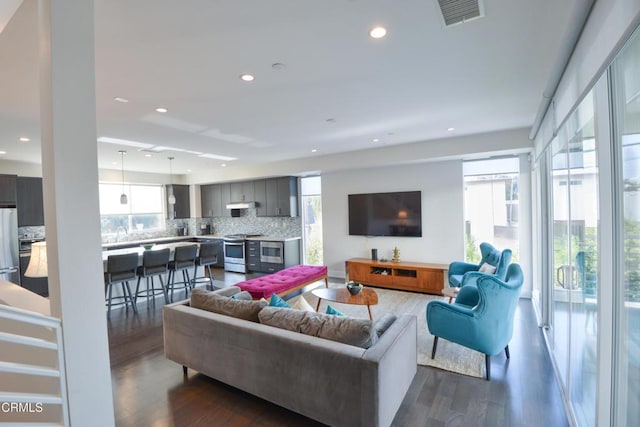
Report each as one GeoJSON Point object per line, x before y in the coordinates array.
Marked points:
{"type": "Point", "coordinates": [272, 252]}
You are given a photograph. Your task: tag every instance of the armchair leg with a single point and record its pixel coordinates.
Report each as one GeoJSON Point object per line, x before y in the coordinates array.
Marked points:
{"type": "Point", "coordinates": [506, 352]}
{"type": "Point", "coordinates": [184, 370]}
{"type": "Point", "coordinates": [435, 345]}
{"type": "Point", "coordinates": [487, 365]}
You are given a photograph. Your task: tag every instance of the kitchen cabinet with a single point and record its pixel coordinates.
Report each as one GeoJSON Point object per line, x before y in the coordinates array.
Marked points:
{"type": "Point", "coordinates": [281, 196]}
{"type": "Point", "coordinates": [253, 255]}
{"type": "Point", "coordinates": [212, 203]}
{"type": "Point", "coordinates": [242, 191]}
{"type": "Point", "coordinates": [8, 191]}
{"type": "Point", "coordinates": [273, 197]}
{"type": "Point", "coordinates": [30, 201]}
{"type": "Point", "coordinates": [260, 193]}
{"type": "Point", "coordinates": [181, 209]}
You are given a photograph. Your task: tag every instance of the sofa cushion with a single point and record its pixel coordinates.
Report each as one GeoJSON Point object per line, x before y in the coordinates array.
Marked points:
{"type": "Point", "coordinates": [347, 330]}
{"type": "Point", "coordinates": [382, 323]}
{"type": "Point", "coordinates": [246, 310]}
{"type": "Point", "coordinates": [487, 268]}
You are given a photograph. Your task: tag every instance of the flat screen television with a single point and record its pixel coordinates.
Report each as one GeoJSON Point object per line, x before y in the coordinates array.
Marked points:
{"type": "Point", "coordinates": [386, 214]}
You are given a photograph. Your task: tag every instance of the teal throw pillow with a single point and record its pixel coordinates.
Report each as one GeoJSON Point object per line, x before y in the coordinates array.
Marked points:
{"type": "Point", "coordinates": [276, 301]}
{"type": "Point", "coordinates": [333, 311]}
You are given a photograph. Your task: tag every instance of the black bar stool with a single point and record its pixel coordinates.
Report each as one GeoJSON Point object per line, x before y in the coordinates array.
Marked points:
{"type": "Point", "coordinates": [207, 256]}
{"type": "Point", "coordinates": [184, 258]}
{"type": "Point", "coordinates": [154, 263]}
{"type": "Point", "coordinates": [120, 269]}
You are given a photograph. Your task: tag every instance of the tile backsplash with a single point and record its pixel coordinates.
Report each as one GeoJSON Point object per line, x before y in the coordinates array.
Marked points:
{"type": "Point", "coordinates": [248, 222]}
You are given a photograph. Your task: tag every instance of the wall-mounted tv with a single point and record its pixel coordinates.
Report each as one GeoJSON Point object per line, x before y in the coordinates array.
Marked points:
{"type": "Point", "coordinates": [386, 214]}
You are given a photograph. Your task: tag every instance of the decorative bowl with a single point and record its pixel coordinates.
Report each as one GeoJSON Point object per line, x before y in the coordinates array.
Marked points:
{"type": "Point", "coordinates": [147, 246]}
{"type": "Point", "coordinates": [354, 288]}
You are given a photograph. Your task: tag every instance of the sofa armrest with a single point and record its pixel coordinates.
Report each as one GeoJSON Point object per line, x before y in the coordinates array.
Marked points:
{"type": "Point", "coordinates": [396, 357]}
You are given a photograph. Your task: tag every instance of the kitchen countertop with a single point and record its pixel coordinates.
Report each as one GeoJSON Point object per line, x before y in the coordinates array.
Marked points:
{"type": "Point", "coordinates": [170, 239]}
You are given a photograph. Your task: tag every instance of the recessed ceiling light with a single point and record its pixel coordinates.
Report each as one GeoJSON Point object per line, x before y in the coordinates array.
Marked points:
{"type": "Point", "coordinates": [378, 32]}
{"type": "Point", "coordinates": [3, 152]}
{"type": "Point", "coordinates": [161, 110]}
{"type": "Point", "coordinates": [330, 120]}
{"type": "Point", "coordinates": [224, 165]}
{"type": "Point", "coordinates": [24, 139]}
{"type": "Point", "coordinates": [451, 129]}
{"type": "Point", "coordinates": [247, 77]}
{"type": "Point", "coordinates": [314, 150]}
{"type": "Point", "coordinates": [375, 140]}
{"type": "Point", "coordinates": [120, 99]}
{"type": "Point", "coordinates": [147, 155]}
{"type": "Point", "coordinates": [278, 66]}
{"type": "Point", "coordinates": [188, 170]}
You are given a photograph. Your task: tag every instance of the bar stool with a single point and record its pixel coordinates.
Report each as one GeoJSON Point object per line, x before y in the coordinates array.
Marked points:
{"type": "Point", "coordinates": [207, 256]}
{"type": "Point", "coordinates": [154, 263]}
{"type": "Point", "coordinates": [184, 258]}
{"type": "Point", "coordinates": [120, 269]}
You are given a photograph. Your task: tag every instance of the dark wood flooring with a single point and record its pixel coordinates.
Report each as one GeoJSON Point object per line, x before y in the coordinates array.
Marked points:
{"type": "Point", "coordinates": [150, 390]}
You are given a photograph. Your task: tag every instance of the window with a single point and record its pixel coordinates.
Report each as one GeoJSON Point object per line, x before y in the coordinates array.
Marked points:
{"type": "Point", "coordinates": [143, 213]}
{"type": "Point", "coordinates": [491, 205]}
{"type": "Point", "coordinates": [312, 219]}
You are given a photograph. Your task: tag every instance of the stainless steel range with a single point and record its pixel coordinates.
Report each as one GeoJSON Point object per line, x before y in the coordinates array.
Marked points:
{"type": "Point", "coordinates": [235, 258]}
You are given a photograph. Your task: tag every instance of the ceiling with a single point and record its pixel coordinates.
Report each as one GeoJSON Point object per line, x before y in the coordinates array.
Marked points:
{"type": "Point", "coordinates": [337, 89]}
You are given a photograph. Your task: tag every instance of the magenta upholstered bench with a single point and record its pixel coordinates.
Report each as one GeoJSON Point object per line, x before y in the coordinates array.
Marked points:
{"type": "Point", "coordinates": [284, 281]}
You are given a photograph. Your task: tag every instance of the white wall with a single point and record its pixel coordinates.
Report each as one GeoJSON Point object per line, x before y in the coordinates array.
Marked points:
{"type": "Point", "coordinates": [442, 238]}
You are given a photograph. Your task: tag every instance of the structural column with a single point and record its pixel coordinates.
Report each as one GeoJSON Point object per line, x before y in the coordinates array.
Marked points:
{"type": "Point", "coordinates": [72, 216]}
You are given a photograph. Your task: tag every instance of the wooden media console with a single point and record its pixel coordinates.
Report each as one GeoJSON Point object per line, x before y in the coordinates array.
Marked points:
{"type": "Point", "coordinates": [406, 276]}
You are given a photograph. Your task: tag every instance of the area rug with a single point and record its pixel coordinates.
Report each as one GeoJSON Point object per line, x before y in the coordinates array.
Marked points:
{"type": "Point", "coordinates": [449, 356]}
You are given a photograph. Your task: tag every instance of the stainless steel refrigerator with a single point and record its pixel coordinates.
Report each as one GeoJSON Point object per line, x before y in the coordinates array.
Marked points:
{"type": "Point", "coordinates": [9, 245]}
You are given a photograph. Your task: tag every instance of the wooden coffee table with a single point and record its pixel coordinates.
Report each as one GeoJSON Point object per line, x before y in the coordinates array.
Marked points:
{"type": "Point", "coordinates": [450, 292]}
{"type": "Point", "coordinates": [366, 296]}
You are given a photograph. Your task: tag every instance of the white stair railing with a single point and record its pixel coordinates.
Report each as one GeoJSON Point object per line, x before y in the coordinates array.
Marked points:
{"type": "Point", "coordinates": [23, 399]}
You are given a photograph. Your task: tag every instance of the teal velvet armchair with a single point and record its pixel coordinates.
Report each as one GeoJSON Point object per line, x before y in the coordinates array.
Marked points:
{"type": "Point", "coordinates": [490, 255]}
{"type": "Point", "coordinates": [481, 317]}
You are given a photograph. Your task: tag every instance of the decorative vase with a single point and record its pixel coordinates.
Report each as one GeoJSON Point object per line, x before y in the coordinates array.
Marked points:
{"type": "Point", "coordinates": [354, 288]}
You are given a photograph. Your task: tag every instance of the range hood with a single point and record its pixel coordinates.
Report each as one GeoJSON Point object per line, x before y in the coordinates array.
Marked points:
{"type": "Point", "coordinates": [241, 205]}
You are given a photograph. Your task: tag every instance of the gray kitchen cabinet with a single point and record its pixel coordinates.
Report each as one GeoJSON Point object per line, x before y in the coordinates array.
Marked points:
{"type": "Point", "coordinates": [253, 256]}
{"type": "Point", "coordinates": [242, 191]}
{"type": "Point", "coordinates": [30, 202]}
{"type": "Point", "coordinates": [8, 192]}
{"type": "Point", "coordinates": [282, 196]}
{"type": "Point", "coordinates": [260, 193]}
{"type": "Point", "coordinates": [225, 199]}
{"type": "Point", "coordinates": [206, 201]}
{"type": "Point", "coordinates": [181, 209]}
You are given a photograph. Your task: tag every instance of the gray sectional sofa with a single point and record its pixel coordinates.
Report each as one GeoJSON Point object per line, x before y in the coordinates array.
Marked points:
{"type": "Point", "coordinates": [331, 382]}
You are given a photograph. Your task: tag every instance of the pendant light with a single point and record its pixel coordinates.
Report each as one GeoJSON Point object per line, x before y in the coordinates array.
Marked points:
{"type": "Point", "coordinates": [123, 196]}
{"type": "Point", "coordinates": [172, 198]}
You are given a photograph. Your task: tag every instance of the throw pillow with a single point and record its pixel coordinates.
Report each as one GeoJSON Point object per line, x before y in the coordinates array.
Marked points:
{"type": "Point", "coordinates": [347, 330]}
{"type": "Point", "coordinates": [301, 304]}
{"type": "Point", "coordinates": [381, 324]}
{"type": "Point", "coordinates": [246, 310]}
{"type": "Point", "coordinates": [334, 312]}
{"type": "Point", "coordinates": [487, 268]}
{"type": "Point", "coordinates": [243, 295]}
{"type": "Point", "coordinates": [276, 301]}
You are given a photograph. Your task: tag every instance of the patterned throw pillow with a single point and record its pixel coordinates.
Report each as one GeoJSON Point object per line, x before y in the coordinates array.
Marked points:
{"type": "Point", "coordinates": [487, 268]}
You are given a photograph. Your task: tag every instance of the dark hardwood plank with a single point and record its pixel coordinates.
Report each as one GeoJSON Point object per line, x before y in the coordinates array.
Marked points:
{"type": "Point", "coordinates": [151, 390]}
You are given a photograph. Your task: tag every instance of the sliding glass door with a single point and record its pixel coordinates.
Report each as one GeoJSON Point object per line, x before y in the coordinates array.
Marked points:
{"type": "Point", "coordinates": [627, 303]}
{"type": "Point", "coordinates": [574, 224]}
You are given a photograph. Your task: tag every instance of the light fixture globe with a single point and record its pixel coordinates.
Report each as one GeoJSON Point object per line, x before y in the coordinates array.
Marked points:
{"type": "Point", "coordinates": [123, 199]}
{"type": "Point", "coordinates": [172, 199]}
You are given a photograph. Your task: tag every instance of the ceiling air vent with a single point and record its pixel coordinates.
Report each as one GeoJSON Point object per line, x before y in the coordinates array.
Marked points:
{"type": "Point", "coordinates": [457, 11]}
